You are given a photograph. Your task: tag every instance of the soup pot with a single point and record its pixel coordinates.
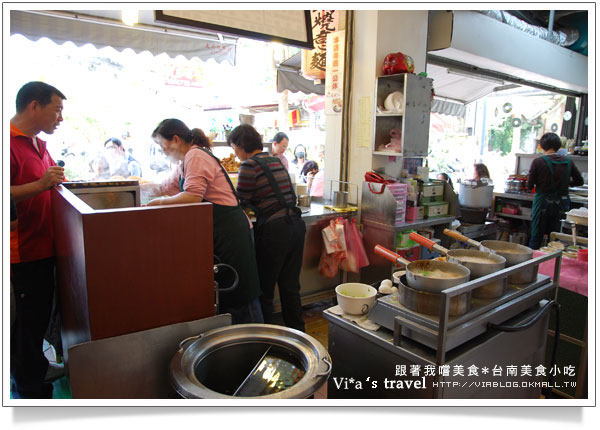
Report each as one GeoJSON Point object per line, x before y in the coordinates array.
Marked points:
{"type": "Point", "coordinates": [428, 275]}
{"type": "Point", "coordinates": [480, 263]}
{"type": "Point", "coordinates": [512, 252]}
{"type": "Point", "coordinates": [429, 303]}
{"type": "Point", "coordinates": [475, 194]}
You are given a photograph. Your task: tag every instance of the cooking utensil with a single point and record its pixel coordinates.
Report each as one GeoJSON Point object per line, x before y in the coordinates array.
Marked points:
{"type": "Point", "coordinates": [456, 235]}
{"type": "Point", "coordinates": [304, 200]}
{"type": "Point", "coordinates": [489, 263]}
{"type": "Point", "coordinates": [340, 199]}
{"type": "Point", "coordinates": [513, 252]}
{"type": "Point", "coordinates": [429, 303]}
{"type": "Point", "coordinates": [420, 273]}
{"type": "Point", "coordinates": [475, 194]}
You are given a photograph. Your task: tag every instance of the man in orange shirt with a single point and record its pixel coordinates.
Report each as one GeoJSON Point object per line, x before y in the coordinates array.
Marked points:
{"type": "Point", "coordinates": [33, 173]}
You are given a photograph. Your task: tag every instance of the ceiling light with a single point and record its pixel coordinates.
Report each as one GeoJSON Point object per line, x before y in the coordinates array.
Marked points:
{"type": "Point", "coordinates": [129, 16]}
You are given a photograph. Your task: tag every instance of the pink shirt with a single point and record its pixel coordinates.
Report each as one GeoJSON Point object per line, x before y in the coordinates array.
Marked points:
{"type": "Point", "coordinates": [203, 178]}
{"type": "Point", "coordinates": [316, 189]}
{"type": "Point", "coordinates": [284, 160]}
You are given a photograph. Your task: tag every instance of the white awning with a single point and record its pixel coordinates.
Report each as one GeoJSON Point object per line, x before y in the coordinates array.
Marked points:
{"type": "Point", "coordinates": [64, 26]}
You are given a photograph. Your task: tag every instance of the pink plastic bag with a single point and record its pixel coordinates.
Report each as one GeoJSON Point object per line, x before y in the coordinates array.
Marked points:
{"type": "Point", "coordinates": [333, 236]}
{"type": "Point", "coordinates": [329, 263]}
{"type": "Point", "coordinates": [356, 255]}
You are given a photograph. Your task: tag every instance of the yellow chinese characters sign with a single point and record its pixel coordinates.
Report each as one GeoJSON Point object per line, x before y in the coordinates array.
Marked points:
{"type": "Point", "coordinates": [323, 23]}
{"type": "Point", "coordinates": [334, 82]}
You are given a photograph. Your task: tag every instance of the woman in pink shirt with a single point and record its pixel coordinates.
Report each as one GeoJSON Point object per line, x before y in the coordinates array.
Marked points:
{"type": "Point", "coordinates": [201, 177]}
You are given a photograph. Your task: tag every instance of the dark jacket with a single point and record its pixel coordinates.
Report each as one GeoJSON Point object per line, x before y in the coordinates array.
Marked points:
{"type": "Point", "coordinates": [539, 175]}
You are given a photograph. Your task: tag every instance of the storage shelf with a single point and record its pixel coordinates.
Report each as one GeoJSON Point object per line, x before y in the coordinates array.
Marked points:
{"type": "Point", "coordinates": [390, 114]}
{"type": "Point", "coordinates": [391, 154]}
{"type": "Point", "coordinates": [526, 218]}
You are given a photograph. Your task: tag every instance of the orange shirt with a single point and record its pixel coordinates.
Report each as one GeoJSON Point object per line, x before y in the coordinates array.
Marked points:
{"type": "Point", "coordinates": [34, 237]}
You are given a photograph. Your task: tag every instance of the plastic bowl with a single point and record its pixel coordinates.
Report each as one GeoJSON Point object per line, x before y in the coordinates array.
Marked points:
{"type": "Point", "coordinates": [355, 298]}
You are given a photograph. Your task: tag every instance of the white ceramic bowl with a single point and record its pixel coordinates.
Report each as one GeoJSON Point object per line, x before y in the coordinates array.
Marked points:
{"type": "Point", "coordinates": [355, 298]}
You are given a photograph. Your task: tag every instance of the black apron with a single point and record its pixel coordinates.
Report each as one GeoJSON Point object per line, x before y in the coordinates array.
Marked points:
{"type": "Point", "coordinates": [232, 243]}
{"type": "Point", "coordinates": [554, 204]}
{"type": "Point", "coordinates": [292, 210]}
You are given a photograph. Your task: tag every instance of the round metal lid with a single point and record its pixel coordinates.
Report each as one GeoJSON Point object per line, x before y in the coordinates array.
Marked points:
{"type": "Point", "coordinates": [250, 361]}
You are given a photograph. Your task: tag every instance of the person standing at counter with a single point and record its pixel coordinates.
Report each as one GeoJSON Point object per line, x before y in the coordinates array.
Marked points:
{"type": "Point", "coordinates": [124, 164]}
{"type": "Point", "coordinates": [551, 175]}
{"type": "Point", "coordinates": [265, 186]}
{"type": "Point", "coordinates": [480, 171]}
{"type": "Point", "coordinates": [201, 177]}
{"type": "Point", "coordinates": [298, 162]}
{"type": "Point", "coordinates": [33, 173]}
{"type": "Point", "coordinates": [446, 178]}
{"type": "Point", "coordinates": [280, 144]}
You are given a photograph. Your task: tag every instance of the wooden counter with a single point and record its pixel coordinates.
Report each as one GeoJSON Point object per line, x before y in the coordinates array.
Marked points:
{"type": "Point", "coordinates": [125, 270]}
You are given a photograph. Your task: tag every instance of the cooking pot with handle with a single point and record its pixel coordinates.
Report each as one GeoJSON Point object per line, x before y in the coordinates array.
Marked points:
{"type": "Point", "coordinates": [512, 252]}
{"type": "Point", "coordinates": [428, 275]}
{"type": "Point", "coordinates": [480, 263]}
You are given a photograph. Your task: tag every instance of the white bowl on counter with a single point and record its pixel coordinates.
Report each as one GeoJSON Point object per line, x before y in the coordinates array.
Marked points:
{"type": "Point", "coordinates": [355, 298]}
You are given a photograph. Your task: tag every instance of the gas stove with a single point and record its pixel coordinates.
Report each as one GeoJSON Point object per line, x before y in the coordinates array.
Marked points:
{"type": "Point", "coordinates": [442, 332]}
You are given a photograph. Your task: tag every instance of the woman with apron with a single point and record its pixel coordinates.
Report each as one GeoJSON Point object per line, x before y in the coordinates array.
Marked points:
{"type": "Point", "coordinates": [201, 177]}
{"type": "Point", "coordinates": [264, 185]}
{"type": "Point", "coordinates": [551, 175]}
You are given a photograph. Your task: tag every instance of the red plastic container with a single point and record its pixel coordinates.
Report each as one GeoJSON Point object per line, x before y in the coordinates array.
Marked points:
{"type": "Point", "coordinates": [582, 255]}
{"type": "Point", "coordinates": [510, 210]}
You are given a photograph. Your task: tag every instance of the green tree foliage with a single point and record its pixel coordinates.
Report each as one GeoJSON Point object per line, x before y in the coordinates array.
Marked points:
{"type": "Point", "coordinates": [500, 137]}
{"type": "Point", "coordinates": [526, 130]}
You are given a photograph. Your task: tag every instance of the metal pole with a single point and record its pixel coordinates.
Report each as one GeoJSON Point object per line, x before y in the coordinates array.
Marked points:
{"type": "Point", "coordinates": [550, 25]}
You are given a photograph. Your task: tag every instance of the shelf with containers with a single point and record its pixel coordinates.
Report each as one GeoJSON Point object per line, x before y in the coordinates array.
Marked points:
{"type": "Point", "coordinates": [411, 120]}
{"type": "Point", "coordinates": [382, 221]}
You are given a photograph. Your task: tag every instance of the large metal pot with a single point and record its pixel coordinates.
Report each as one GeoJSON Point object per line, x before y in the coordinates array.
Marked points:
{"type": "Point", "coordinates": [429, 303]}
{"type": "Point", "coordinates": [421, 274]}
{"type": "Point", "coordinates": [475, 194]}
{"type": "Point", "coordinates": [512, 252]}
{"type": "Point", "coordinates": [480, 263]}
{"type": "Point", "coordinates": [250, 361]}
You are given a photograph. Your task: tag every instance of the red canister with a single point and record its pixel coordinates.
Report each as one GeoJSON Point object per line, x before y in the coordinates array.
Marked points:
{"type": "Point", "coordinates": [582, 255]}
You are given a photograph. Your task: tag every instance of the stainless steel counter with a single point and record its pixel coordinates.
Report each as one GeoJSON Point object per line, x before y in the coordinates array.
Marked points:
{"type": "Point", "coordinates": [576, 201]}
{"type": "Point", "coordinates": [528, 197]}
{"type": "Point", "coordinates": [372, 358]}
{"type": "Point", "coordinates": [313, 286]}
{"type": "Point", "coordinates": [375, 233]}
{"type": "Point", "coordinates": [319, 211]}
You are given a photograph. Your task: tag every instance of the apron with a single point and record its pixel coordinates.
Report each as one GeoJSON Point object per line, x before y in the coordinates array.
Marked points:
{"type": "Point", "coordinates": [291, 209]}
{"type": "Point", "coordinates": [232, 244]}
{"type": "Point", "coordinates": [549, 204]}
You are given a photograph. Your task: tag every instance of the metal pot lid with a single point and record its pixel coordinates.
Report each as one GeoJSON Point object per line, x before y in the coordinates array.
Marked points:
{"type": "Point", "coordinates": [250, 361]}
{"type": "Point", "coordinates": [472, 183]}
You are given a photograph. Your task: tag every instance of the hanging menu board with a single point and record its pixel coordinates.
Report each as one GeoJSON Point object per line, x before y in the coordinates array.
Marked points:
{"type": "Point", "coordinates": [290, 27]}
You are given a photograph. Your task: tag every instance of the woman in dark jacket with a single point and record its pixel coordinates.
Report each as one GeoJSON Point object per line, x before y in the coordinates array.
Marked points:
{"type": "Point", "coordinates": [264, 185]}
{"type": "Point", "coordinates": [551, 175]}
